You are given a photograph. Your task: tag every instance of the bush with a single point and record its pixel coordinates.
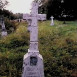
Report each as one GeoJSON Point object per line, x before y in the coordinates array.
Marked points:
{"type": "Point", "coordinates": [57, 44]}
{"type": "Point", "coordinates": [11, 64]}
{"type": "Point", "coordinates": [10, 26]}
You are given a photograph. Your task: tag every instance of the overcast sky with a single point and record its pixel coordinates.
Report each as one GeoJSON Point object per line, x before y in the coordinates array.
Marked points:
{"type": "Point", "coordinates": [19, 6]}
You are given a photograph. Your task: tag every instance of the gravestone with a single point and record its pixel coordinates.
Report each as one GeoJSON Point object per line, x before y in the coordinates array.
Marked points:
{"type": "Point", "coordinates": [33, 61]}
{"type": "Point", "coordinates": [52, 23]}
{"type": "Point", "coordinates": [64, 17]}
{"type": "Point", "coordinates": [3, 30]}
{"type": "Point", "coordinates": [19, 20]}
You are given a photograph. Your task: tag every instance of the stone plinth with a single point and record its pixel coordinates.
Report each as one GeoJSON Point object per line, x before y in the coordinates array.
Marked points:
{"type": "Point", "coordinates": [33, 65]}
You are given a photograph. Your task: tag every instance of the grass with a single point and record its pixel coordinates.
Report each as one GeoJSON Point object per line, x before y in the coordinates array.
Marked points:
{"type": "Point", "coordinates": [57, 44]}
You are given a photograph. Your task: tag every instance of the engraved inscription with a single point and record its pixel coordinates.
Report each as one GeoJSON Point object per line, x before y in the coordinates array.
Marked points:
{"type": "Point", "coordinates": [31, 72]}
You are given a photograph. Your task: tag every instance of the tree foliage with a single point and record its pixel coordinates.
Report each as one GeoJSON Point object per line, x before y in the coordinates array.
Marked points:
{"type": "Point", "coordinates": [3, 4]}
{"type": "Point", "coordinates": [58, 9]}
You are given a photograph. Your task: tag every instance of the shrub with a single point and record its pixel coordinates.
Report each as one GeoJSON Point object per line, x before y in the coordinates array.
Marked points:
{"type": "Point", "coordinates": [10, 26]}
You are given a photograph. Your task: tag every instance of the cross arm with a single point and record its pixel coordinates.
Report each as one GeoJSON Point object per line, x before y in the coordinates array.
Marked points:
{"type": "Point", "coordinates": [41, 16]}
{"type": "Point", "coordinates": [27, 16]}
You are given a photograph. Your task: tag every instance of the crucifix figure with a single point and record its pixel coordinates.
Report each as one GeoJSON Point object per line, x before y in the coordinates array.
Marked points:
{"type": "Point", "coordinates": [33, 61]}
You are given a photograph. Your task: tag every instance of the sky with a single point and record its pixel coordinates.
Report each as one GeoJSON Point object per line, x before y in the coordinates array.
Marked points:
{"type": "Point", "coordinates": [19, 6]}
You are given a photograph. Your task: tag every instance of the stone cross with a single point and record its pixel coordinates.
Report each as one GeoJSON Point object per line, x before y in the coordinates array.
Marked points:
{"type": "Point", "coordinates": [32, 20]}
{"type": "Point", "coordinates": [3, 32]}
{"type": "Point", "coordinates": [33, 61]}
{"type": "Point", "coordinates": [52, 23]}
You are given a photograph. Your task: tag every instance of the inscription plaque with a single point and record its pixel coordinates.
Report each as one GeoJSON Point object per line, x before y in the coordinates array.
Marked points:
{"type": "Point", "coordinates": [33, 61]}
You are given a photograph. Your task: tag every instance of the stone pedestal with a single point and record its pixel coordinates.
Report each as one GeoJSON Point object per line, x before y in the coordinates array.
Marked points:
{"type": "Point", "coordinates": [33, 65]}
{"type": "Point", "coordinates": [4, 33]}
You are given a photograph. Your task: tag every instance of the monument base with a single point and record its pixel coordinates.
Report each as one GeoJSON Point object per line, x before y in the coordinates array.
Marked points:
{"type": "Point", "coordinates": [33, 65]}
{"type": "Point", "coordinates": [52, 24]}
{"type": "Point", "coordinates": [4, 33]}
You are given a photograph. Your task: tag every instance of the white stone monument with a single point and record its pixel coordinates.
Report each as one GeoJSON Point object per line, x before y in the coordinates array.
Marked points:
{"type": "Point", "coordinates": [33, 61]}
{"type": "Point", "coordinates": [52, 23]}
{"type": "Point", "coordinates": [3, 32]}
{"type": "Point", "coordinates": [19, 20]}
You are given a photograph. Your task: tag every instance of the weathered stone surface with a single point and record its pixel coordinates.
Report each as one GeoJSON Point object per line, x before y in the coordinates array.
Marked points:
{"type": "Point", "coordinates": [33, 65]}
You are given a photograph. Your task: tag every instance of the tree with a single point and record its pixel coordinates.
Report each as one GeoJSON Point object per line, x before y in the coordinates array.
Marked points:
{"type": "Point", "coordinates": [59, 8]}
{"type": "Point", "coordinates": [3, 4]}
{"type": "Point", "coordinates": [44, 6]}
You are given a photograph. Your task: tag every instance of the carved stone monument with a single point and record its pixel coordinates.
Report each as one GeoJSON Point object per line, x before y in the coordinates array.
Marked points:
{"type": "Point", "coordinates": [4, 31]}
{"type": "Point", "coordinates": [52, 23]}
{"type": "Point", "coordinates": [33, 61]}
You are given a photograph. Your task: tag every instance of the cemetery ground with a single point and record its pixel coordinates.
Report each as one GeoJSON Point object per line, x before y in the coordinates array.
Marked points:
{"type": "Point", "coordinates": [57, 44]}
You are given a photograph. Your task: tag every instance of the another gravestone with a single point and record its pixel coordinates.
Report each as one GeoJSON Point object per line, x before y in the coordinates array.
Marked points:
{"type": "Point", "coordinates": [19, 20]}
{"type": "Point", "coordinates": [52, 23]}
{"type": "Point", "coordinates": [33, 61]}
{"type": "Point", "coordinates": [64, 17]}
{"type": "Point", "coordinates": [3, 30]}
